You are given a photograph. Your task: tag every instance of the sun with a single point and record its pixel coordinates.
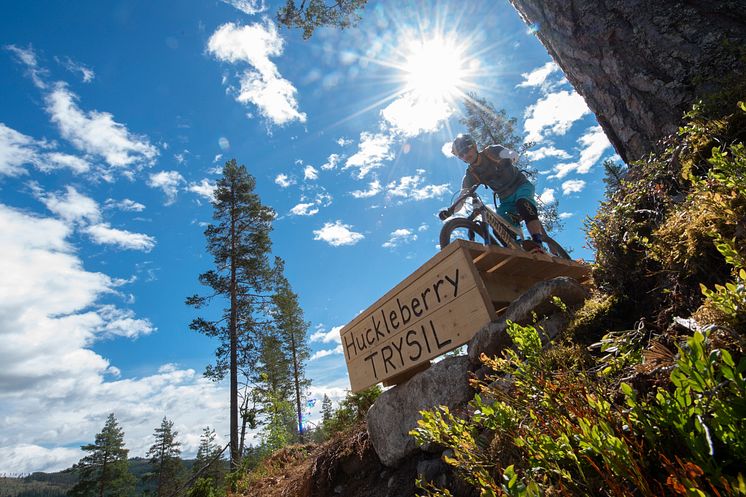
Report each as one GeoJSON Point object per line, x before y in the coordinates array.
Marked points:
{"type": "Point", "coordinates": [435, 69]}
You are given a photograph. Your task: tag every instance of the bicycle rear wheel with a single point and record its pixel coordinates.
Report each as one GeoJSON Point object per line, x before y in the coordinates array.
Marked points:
{"type": "Point", "coordinates": [556, 249]}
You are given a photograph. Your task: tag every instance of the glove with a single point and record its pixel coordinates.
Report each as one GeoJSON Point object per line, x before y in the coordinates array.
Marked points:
{"type": "Point", "coordinates": [445, 214]}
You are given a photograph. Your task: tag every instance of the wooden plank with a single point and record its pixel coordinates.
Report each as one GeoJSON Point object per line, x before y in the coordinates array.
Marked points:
{"type": "Point", "coordinates": [438, 308]}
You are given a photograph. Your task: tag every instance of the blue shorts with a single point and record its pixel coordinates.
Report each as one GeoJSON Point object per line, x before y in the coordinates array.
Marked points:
{"type": "Point", "coordinates": [508, 208]}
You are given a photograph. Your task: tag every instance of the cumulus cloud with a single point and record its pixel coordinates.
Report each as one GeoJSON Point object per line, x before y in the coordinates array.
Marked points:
{"type": "Point", "coordinates": [373, 149]}
{"type": "Point", "coordinates": [304, 209]}
{"type": "Point", "coordinates": [248, 7]}
{"type": "Point", "coordinates": [593, 144]}
{"type": "Point", "coordinates": [411, 187]}
{"type": "Point", "coordinates": [343, 142]}
{"type": "Point", "coordinates": [169, 182]}
{"type": "Point", "coordinates": [565, 215]}
{"type": "Point", "coordinates": [104, 234]}
{"type": "Point", "coordinates": [51, 318]}
{"type": "Point", "coordinates": [283, 180]}
{"type": "Point", "coordinates": [410, 115]}
{"type": "Point", "coordinates": [327, 336]}
{"type": "Point", "coordinates": [124, 205]}
{"type": "Point", "coordinates": [547, 196]}
{"type": "Point", "coordinates": [261, 85]}
{"type": "Point", "coordinates": [374, 188]}
{"type": "Point", "coordinates": [331, 162]}
{"type": "Point", "coordinates": [72, 207]}
{"type": "Point", "coordinates": [337, 234]}
{"type": "Point", "coordinates": [554, 114]}
{"type": "Point", "coordinates": [97, 133]}
{"type": "Point", "coordinates": [310, 173]}
{"type": "Point", "coordinates": [323, 353]}
{"type": "Point", "coordinates": [204, 189]}
{"type": "Point", "coordinates": [573, 186]}
{"type": "Point", "coordinates": [18, 150]}
{"type": "Point", "coordinates": [548, 151]}
{"type": "Point", "coordinates": [399, 237]}
{"type": "Point", "coordinates": [538, 77]}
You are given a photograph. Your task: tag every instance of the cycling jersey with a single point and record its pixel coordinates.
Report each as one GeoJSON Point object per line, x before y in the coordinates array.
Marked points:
{"type": "Point", "coordinates": [495, 169]}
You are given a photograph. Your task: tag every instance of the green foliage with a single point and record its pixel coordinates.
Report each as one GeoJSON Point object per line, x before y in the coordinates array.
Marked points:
{"type": "Point", "coordinates": [165, 460]}
{"type": "Point", "coordinates": [203, 487]}
{"type": "Point", "coordinates": [351, 411]}
{"type": "Point", "coordinates": [654, 235]}
{"type": "Point", "coordinates": [559, 431]}
{"type": "Point", "coordinates": [314, 14]}
{"type": "Point", "coordinates": [209, 463]}
{"type": "Point", "coordinates": [621, 350]}
{"type": "Point", "coordinates": [104, 471]}
{"type": "Point", "coordinates": [705, 412]}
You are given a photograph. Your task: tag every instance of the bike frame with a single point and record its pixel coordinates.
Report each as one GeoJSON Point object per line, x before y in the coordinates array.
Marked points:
{"type": "Point", "coordinates": [502, 227]}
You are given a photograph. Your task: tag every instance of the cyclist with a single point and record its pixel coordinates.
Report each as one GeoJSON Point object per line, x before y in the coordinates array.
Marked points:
{"type": "Point", "coordinates": [495, 167]}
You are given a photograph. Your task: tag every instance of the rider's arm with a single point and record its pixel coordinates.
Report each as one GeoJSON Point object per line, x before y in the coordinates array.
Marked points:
{"type": "Point", "coordinates": [498, 152]}
{"type": "Point", "coordinates": [466, 183]}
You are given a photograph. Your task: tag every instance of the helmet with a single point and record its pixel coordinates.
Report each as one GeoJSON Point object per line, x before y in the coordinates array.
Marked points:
{"type": "Point", "coordinates": [461, 144]}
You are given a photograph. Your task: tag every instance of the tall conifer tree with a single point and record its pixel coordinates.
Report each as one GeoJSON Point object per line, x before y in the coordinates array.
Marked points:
{"type": "Point", "coordinates": [165, 457]}
{"type": "Point", "coordinates": [104, 472]}
{"type": "Point", "coordinates": [239, 243]}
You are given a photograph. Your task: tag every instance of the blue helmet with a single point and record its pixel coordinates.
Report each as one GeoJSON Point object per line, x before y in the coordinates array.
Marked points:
{"type": "Point", "coordinates": [461, 144]}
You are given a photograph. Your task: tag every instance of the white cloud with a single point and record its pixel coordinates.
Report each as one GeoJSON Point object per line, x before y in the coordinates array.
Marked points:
{"type": "Point", "coordinates": [248, 7]}
{"type": "Point", "coordinates": [307, 209]}
{"type": "Point", "coordinates": [331, 162]}
{"type": "Point", "coordinates": [374, 188]}
{"type": "Point", "coordinates": [343, 142]}
{"type": "Point", "coordinates": [553, 114]}
{"type": "Point", "coordinates": [566, 215]}
{"type": "Point", "coordinates": [73, 207]}
{"type": "Point", "coordinates": [169, 182]}
{"type": "Point", "coordinates": [124, 205]}
{"type": "Point", "coordinates": [593, 144]}
{"type": "Point", "coordinates": [262, 85]}
{"type": "Point", "coordinates": [28, 57]}
{"type": "Point", "coordinates": [373, 149]}
{"type": "Point", "coordinates": [446, 149]}
{"type": "Point", "coordinates": [284, 180]}
{"type": "Point", "coordinates": [573, 186]}
{"type": "Point", "coordinates": [549, 151]}
{"type": "Point", "coordinates": [58, 160]}
{"type": "Point", "coordinates": [410, 116]}
{"type": "Point", "coordinates": [217, 158]}
{"type": "Point", "coordinates": [337, 234]}
{"type": "Point", "coordinates": [538, 76]}
{"type": "Point", "coordinates": [547, 196]}
{"type": "Point", "coordinates": [409, 187]}
{"type": "Point", "coordinates": [16, 149]}
{"type": "Point", "coordinates": [104, 234]}
{"type": "Point", "coordinates": [86, 73]}
{"type": "Point", "coordinates": [96, 132]}
{"type": "Point", "coordinates": [204, 188]}
{"type": "Point", "coordinates": [323, 353]}
{"type": "Point", "coordinates": [224, 143]}
{"type": "Point", "coordinates": [423, 227]}
{"type": "Point", "coordinates": [327, 336]}
{"type": "Point", "coordinates": [399, 237]}
{"type": "Point", "coordinates": [310, 173]}
{"type": "Point", "coordinates": [51, 318]}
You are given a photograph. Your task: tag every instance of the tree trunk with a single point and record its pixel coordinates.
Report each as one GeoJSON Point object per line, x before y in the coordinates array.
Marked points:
{"type": "Point", "coordinates": [233, 327]}
{"type": "Point", "coordinates": [296, 382]}
{"type": "Point", "coordinates": [640, 64]}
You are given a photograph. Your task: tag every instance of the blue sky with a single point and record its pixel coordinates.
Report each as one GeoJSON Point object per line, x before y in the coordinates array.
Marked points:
{"type": "Point", "coordinates": [115, 119]}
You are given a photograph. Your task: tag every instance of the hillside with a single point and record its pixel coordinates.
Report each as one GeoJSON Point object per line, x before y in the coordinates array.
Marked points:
{"type": "Point", "coordinates": [643, 391]}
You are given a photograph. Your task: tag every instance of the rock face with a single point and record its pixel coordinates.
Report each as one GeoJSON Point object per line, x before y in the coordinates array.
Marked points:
{"type": "Point", "coordinates": [396, 411]}
{"type": "Point", "coordinates": [537, 301]}
{"type": "Point", "coordinates": [640, 64]}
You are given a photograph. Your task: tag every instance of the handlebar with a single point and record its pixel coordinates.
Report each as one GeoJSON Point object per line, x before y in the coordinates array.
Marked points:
{"type": "Point", "coordinates": [469, 193]}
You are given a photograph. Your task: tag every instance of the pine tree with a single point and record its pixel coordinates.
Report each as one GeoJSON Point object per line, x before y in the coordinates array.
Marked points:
{"type": "Point", "coordinates": [239, 242]}
{"type": "Point", "coordinates": [327, 411]}
{"type": "Point", "coordinates": [614, 174]}
{"type": "Point", "coordinates": [491, 126]}
{"type": "Point", "coordinates": [165, 457]}
{"type": "Point", "coordinates": [291, 329]}
{"type": "Point", "coordinates": [208, 462]}
{"type": "Point", "coordinates": [104, 471]}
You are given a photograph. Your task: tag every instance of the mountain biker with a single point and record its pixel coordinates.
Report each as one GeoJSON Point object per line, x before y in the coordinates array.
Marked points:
{"type": "Point", "coordinates": [495, 167]}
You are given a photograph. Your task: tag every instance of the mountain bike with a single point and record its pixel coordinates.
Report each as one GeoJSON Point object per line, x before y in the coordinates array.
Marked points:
{"type": "Point", "coordinates": [490, 228]}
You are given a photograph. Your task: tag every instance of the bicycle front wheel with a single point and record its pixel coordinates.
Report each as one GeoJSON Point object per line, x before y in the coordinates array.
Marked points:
{"type": "Point", "coordinates": [464, 229]}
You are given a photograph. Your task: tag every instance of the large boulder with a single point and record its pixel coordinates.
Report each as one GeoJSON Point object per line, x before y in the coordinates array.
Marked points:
{"type": "Point", "coordinates": [396, 410]}
{"type": "Point", "coordinates": [536, 305]}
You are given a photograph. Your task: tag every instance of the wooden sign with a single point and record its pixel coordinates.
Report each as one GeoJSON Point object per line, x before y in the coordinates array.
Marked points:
{"type": "Point", "coordinates": [436, 309]}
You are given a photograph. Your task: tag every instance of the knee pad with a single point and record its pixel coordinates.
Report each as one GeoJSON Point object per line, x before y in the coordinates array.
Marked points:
{"type": "Point", "coordinates": [526, 209]}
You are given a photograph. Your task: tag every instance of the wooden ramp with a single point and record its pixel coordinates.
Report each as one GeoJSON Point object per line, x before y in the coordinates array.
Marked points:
{"type": "Point", "coordinates": [440, 307]}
